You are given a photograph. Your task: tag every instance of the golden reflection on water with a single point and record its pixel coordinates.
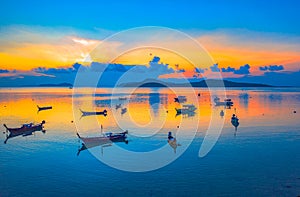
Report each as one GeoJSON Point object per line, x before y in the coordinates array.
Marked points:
{"type": "Point", "coordinates": [147, 108]}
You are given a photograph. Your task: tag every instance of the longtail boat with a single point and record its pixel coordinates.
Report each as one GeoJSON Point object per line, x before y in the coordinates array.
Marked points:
{"type": "Point", "coordinates": [86, 113]}
{"type": "Point", "coordinates": [113, 137]}
{"type": "Point", "coordinates": [104, 141]}
{"type": "Point", "coordinates": [24, 130]}
{"type": "Point", "coordinates": [44, 108]}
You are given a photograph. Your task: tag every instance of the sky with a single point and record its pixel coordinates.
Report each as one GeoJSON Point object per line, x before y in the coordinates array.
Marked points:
{"type": "Point", "coordinates": [249, 41]}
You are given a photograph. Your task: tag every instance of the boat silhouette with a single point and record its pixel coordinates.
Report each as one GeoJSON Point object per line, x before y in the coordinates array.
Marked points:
{"type": "Point", "coordinates": [87, 113]}
{"type": "Point", "coordinates": [44, 108]}
{"type": "Point", "coordinates": [235, 122]}
{"type": "Point", "coordinates": [107, 139]}
{"type": "Point", "coordinates": [123, 111]}
{"type": "Point", "coordinates": [118, 106]}
{"type": "Point", "coordinates": [24, 130]}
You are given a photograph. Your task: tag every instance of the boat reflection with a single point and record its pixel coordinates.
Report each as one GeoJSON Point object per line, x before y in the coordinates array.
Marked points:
{"type": "Point", "coordinates": [24, 130]}
{"type": "Point", "coordinates": [227, 102]}
{"type": "Point", "coordinates": [186, 110]}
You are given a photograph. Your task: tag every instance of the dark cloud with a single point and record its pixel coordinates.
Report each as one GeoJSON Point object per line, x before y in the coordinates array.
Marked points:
{"type": "Point", "coordinates": [181, 70]}
{"type": "Point", "coordinates": [155, 59]}
{"type": "Point", "coordinates": [272, 68]}
{"type": "Point", "coordinates": [243, 70]}
{"type": "Point", "coordinates": [215, 68]}
{"type": "Point", "coordinates": [76, 66]}
{"type": "Point", "coordinates": [53, 71]}
{"type": "Point", "coordinates": [228, 69]}
{"type": "Point", "coordinates": [4, 71]}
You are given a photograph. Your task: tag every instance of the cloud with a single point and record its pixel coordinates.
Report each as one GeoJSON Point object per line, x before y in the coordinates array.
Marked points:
{"type": "Point", "coordinates": [243, 70]}
{"type": "Point", "coordinates": [215, 68]}
{"type": "Point", "coordinates": [228, 69]}
{"type": "Point", "coordinates": [272, 68]}
{"type": "Point", "coordinates": [155, 59]}
{"type": "Point", "coordinates": [53, 71]}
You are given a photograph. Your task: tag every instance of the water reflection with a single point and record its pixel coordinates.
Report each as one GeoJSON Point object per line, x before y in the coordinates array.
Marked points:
{"type": "Point", "coordinates": [154, 102]}
{"type": "Point", "coordinates": [145, 106]}
{"type": "Point", "coordinates": [244, 99]}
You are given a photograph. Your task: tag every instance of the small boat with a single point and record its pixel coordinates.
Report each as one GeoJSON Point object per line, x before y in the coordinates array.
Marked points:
{"type": "Point", "coordinates": [226, 102]}
{"type": "Point", "coordinates": [44, 108]}
{"type": "Point", "coordinates": [186, 109]}
{"type": "Point", "coordinates": [105, 140]}
{"type": "Point", "coordinates": [118, 106]}
{"type": "Point", "coordinates": [222, 113]}
{"type": "Point", "coordinates": [86, 113]}
{"type": "Point", "coordinates": [107, 137]}
{"type": "Point", "coordinates": [180, 99]}
{"type": "Point", "coordinates": [235, 121]}
{"type": "Point", "coordinates": [123, 111]}
{"type": "Point", "coordinates": [24, 130]}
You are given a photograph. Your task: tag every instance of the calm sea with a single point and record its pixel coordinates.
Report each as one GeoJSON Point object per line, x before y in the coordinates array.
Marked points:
{"type": "Point", "coordinates": [260, 158]}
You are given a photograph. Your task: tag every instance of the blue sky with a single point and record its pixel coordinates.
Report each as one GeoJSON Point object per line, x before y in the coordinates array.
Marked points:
{"type": "Point", "coordinates": [270, 16]}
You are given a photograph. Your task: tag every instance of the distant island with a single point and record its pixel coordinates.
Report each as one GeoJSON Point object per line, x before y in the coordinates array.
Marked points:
{"type": "Point", "coordinates": [56, 85]}
{"type": "Point", "coordinates": [202, 83]}
{"type": "Point", "coordinates": [158, 83]}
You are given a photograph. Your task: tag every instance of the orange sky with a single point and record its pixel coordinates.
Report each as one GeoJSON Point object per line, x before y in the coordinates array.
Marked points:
{"type": "Point", "coordinates": [226, 49]}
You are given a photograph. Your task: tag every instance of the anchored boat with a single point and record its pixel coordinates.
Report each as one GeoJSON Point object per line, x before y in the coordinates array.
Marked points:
{"type": "Point", "coordinates": [24, 130]}
{"type": "Point", "coordinates": [44, 108]}
{"type": "Point", "coordinates": [86, 113]}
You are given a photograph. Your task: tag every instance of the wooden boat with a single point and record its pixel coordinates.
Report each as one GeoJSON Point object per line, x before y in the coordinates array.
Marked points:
{"type": "Point", "coordinates": [105, 138]}
{"type": "Point", "coordinates": [24, 130]}
{"type": "Point", "coordinates": [180, 99]}
{"type": "Point", "coordinates": [94, 142]}
{"type": "Point", "coordinates": [44, 108]}
{"type": "Point", "coordinates": [226, 102]}
{"type": "Point", "coordinates": [86, 113]}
